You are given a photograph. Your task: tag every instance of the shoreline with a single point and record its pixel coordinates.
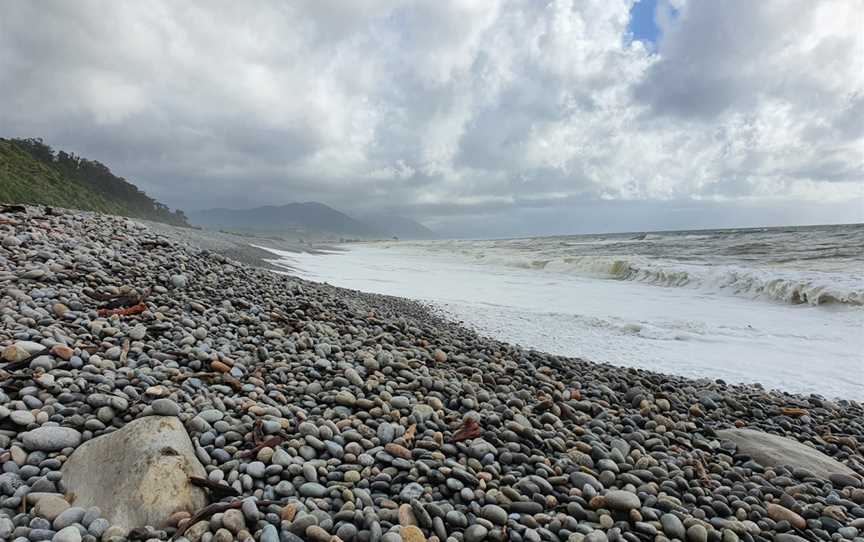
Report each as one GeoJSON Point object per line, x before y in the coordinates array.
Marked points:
{"type": "Point", "coordinates": [673, 330]}
{"type": "Point", "coordinates": [336, 414]}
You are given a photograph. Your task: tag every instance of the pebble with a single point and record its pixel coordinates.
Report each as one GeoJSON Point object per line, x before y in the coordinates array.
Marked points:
{"type": "Point", "coordinates": [165, 407]}
{"type": "Point", "coordinates": [68, 534]}
{"type": "Point", "coordinates": [697, 533]}
{"type": "Point", "coordinates": [780, 513]}
{"type": "Point", "coordinates": [269, 534]}
{"type": "Point", "coordinates": [475, 533]}
{"type": "Point", "coordinates": [622, 500]}
{"type": "Point", "coordinates": [179, 281]}
{"type": "Point", "coordinates": [494, 513]}
{"type": "Point", "coordinates": [313, 489]}
{"type": "Point", "coordinates": [673, 526]}
{"type": "Point", "coordinates": [50, 506]}
{"type": "Point", "coordinates": [50, 439]}
{"type": "Point", "coordinates": [315, 533]}
{"type": "Point", "coordinates": [68, 517]}
{"type": "Point", "coordinates": [22, 417]}
{"type": "Point", "coordinates": [233, 520]}
{"type": "Point", "coordinates": [787, 537]}
{"type": "Point", "coordinates": [412, 534]}
{"type": "Point", "coordinates": [256, 469]}
{"type": "Point", "coordinates": [6, 528]}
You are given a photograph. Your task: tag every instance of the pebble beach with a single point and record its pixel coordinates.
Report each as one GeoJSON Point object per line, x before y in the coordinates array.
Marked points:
{"type": "Point", "coordinates": [290, 410]}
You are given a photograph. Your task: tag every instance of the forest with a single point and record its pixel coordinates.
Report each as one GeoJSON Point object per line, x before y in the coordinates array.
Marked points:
{"type": "Point", "coordinates": [32, 172]}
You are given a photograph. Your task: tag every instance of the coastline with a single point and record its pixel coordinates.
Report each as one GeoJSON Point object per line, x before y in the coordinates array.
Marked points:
{"type": "Point", "coordinates": [394, 423]}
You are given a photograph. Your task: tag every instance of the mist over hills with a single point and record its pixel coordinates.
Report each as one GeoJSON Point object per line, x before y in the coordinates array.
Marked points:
{"type": "Point", "coordinates": [310, 218]}
{"type": "Point", "coordinates": [32, 172]}
{"type": "Point", "coordinates": [399, 226]}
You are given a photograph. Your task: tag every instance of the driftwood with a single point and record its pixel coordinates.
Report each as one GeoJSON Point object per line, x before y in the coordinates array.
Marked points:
{"type": "Point", "coordinates": [215, 508]}
{"type": "Point", "coordinates": [271, 442]}
{"type": "Point", "coordinates": [123, 301]}
{"type": "Point", "coordinates": [16, 365]}
{"type": "Point", "coordinates": [220, 490]}
{"type": "Point", "coordinates": [137, 309]}
{"type": "Point", "coordinates": [258, 431]}
{"type": "Point", "coordinates": [117, 301]}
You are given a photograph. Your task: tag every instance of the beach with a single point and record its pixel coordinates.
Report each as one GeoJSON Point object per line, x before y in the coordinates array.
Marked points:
{"type": "Point", "coordinates": [294, 410]}
{"type": "Point", "coordinates": [781, 307]}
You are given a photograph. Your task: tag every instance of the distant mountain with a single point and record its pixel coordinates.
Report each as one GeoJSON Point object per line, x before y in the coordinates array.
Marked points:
{"type": "Point", "coordinates": [399, 226]}
{"type": "Point", "coordinates": [311, 217]}
{"type": "Point", "coordinates": [32, 172]}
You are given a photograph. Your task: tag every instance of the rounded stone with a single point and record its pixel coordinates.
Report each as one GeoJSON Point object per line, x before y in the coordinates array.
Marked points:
{"type": "Point", "coordinates": [622, 500]}
{"type": "Point", "coordinates": [475, 533]}
{"type": "Point", "coordinates": [165, 407]}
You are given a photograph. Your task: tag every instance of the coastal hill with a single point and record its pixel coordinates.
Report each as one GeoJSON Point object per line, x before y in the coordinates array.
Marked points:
{"type": "Point", "coordinates": [399, 226]}
{"type": "Point", "coordinates": [32, 172]}
{"type": "Point", "coordinates": [309, 218]}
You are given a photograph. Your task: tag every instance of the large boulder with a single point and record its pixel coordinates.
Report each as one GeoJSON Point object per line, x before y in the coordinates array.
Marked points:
{"type": "Point", "coordinates": [138, 475]}
{"type": "Point", "coordinates": [772, 450]}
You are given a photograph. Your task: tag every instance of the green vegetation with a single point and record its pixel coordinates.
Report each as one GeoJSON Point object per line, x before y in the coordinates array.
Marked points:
{"type": "Point", "coordinates": [32, 172]}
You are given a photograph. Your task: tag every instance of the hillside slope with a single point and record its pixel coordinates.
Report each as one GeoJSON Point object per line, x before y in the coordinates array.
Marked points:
{"type": "Point", "coordinates": [32, 172]}
{"type": "Point", "coordinates": [300, 217]}
{"type": "Point", "coordinates": [399, 226]}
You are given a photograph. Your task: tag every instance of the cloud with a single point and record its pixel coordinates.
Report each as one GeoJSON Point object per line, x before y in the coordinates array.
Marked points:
{"type": "Point", "coordinates": [448, 109]}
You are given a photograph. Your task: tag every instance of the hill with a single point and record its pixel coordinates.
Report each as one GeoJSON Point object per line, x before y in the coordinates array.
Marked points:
{"type": "Point", "coordinates": [399, 226]}
{"type": "Point", "coordinates": [310, 218]}
{"type": "Point", "coordinates": [32, 172]}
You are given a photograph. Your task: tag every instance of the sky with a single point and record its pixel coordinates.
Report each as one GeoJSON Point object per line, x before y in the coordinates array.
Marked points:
{"type": "Point", "coordinates": [477, 118]}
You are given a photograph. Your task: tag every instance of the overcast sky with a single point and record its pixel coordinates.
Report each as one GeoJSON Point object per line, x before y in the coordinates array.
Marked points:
{"type": "Point", "coordinates": [477, 117]}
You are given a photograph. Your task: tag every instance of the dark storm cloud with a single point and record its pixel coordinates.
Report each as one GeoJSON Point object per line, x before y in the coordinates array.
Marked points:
{"type": "Point", "coordinates": [456, 112]}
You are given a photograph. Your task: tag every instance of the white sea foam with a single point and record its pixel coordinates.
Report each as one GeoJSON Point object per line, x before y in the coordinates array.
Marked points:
{"type": "Point", "coordinates": [792, 287]}
{"type": "Point", "coordinates": [730, 321]}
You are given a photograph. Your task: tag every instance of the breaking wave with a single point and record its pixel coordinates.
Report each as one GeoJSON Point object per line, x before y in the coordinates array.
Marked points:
{"type": "Point", "coordinates": [790, 287]}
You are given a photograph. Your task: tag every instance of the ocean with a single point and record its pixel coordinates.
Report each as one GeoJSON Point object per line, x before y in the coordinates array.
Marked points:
{"type": "Point", "coordinates": [783, 307]}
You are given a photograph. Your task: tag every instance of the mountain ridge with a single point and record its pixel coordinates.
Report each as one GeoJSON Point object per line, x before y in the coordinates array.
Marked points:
{"type": "Point", "coordinates": [310, 217]}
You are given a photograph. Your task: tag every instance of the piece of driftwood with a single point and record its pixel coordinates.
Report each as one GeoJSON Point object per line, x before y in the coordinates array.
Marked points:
{"type": "Point", "coordinates": [137, 309]}
{"type": "Point", "coordinates": [220, 490]}
{"type": "Point", "coordinates": [16, 365]}
{"type": "Point", "coordinates": [215, 508]}
{"type": "Point", "coordinates": [271, 442]}
{"type": "Point", "coordinates": [124, 301]}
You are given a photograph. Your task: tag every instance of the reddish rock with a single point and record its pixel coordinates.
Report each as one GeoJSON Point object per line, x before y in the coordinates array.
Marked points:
{"type": "Point", "coordinates": [470, 429]}
{"type": "Point", "coordinates": [63, 352]}
{"type": "Point", "coordinates": [399, 451]}
{"type": "Point", "coordinates": [779, 513]}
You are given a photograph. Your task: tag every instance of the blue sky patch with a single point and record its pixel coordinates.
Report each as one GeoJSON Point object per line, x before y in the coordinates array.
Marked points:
{"type": "Point", "coordinates": [643, 25]}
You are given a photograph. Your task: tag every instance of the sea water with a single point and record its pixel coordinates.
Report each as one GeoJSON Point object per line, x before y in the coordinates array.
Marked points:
{"type": "Point", "coordinates": [783, 307]}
